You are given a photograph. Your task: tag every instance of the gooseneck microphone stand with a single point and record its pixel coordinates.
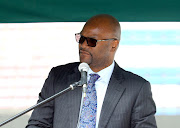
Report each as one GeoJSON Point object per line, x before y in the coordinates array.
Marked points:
{"type": "Point", "coordinates": [71, 87]}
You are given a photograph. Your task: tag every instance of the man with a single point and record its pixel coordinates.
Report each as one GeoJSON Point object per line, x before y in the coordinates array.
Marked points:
{"type": "Point", "coordinates": [121, 99]}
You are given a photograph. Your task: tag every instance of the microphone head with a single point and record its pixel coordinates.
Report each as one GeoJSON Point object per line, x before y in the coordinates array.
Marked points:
{"type": "Point", "coordinates": [83, 67]}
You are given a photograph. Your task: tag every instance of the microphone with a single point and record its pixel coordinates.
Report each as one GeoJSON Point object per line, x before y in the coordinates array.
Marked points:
{"type": "Point", "coordinates": [83, 68]}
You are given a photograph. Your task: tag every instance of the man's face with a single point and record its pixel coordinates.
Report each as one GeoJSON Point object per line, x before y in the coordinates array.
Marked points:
{"type": "Point", "coordinates": [98, 56]}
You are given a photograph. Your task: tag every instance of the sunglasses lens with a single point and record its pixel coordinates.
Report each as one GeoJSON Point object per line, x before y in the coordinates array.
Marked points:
{"type": "Point", "coordinates": [82, 39]}
{"type": "Point", "coordinates": [91, 42]}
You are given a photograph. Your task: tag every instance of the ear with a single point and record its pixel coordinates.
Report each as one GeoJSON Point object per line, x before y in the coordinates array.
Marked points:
{"type": "Point", "coordinates": [114, 45]}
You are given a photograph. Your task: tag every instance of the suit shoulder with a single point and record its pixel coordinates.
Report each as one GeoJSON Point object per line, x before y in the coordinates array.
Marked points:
{"type": "Point", "coordinates": [133, 77]}
{"type": "Point", "coordinates": [69, 67]}
{"type": "Point", "coordinates": [134, 82]}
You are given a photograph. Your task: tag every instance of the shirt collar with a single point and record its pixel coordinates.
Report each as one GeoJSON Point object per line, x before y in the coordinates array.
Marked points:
{"type": "Point", "coordinates": [104, 74]}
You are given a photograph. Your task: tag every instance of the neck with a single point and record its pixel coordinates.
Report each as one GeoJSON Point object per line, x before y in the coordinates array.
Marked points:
{"type": "Point", "coordinates": [99, 68]}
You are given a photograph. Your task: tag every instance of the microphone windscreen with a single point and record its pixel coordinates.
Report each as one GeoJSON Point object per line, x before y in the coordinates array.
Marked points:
{"type": "Point", "coordinates": [83, 67]}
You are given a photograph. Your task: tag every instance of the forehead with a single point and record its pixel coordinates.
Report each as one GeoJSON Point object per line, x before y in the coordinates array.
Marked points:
{"type": "Point", "coordinates": [94, 30]}
{"type": "Point", "coordinates": [90, 31]}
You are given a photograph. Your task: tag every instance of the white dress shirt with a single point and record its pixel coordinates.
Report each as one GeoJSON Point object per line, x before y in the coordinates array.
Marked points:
{"type": "Point", "coordinates": [101, 86]}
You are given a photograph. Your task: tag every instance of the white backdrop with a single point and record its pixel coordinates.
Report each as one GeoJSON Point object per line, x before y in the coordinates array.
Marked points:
{"type": "Point", "coordinates": [29, 50]}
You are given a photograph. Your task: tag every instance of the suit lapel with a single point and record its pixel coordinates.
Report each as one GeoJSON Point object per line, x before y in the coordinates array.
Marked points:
{"type": "Point", "coordinates": [113, 94]}
{"type": "Point", "coordinates": [74, 99]}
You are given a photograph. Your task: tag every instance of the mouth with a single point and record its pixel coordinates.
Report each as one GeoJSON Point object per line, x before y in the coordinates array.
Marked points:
{"type": "Point", "coordinates": [85, 56]}
{"type": "Point", "coordinates": [82, 52]}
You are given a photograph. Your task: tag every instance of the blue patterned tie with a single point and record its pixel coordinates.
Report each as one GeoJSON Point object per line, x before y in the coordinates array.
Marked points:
{"type": "Point", "coordinates": [89, 108]}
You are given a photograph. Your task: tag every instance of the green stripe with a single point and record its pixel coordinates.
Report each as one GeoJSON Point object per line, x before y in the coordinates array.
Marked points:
{"type": "Point", "coordinates": [81, 10]}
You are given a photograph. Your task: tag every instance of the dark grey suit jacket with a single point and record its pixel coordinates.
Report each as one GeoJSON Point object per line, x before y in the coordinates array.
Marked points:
{"type": "Point", "coordinates": [128, 101]}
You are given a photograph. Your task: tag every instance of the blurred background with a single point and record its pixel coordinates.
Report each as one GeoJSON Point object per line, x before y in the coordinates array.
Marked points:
{"type": "Point", "coordinates": [29, 50]}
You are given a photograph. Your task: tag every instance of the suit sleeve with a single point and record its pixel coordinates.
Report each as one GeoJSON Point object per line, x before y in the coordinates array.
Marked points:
{"type": "Point", "coordinates": [144, 109]}
{"type": "Point", "coordinates": [42, 117]}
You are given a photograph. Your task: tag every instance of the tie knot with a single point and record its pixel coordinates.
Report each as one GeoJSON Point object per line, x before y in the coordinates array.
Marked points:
{"type": "Point", "coordinates": [94, 78]}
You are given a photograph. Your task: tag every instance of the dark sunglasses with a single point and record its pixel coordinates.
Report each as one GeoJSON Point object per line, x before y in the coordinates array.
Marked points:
{"type": "Point", "coordinates": [90, 41]}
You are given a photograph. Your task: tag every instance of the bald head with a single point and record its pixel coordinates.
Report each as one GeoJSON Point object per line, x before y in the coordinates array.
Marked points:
{"type": "Point", "coordinates": [107, 24]}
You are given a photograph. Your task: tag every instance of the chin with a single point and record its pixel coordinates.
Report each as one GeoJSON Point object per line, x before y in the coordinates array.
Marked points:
{"type": "Point", "coordinates": [85, 61]}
